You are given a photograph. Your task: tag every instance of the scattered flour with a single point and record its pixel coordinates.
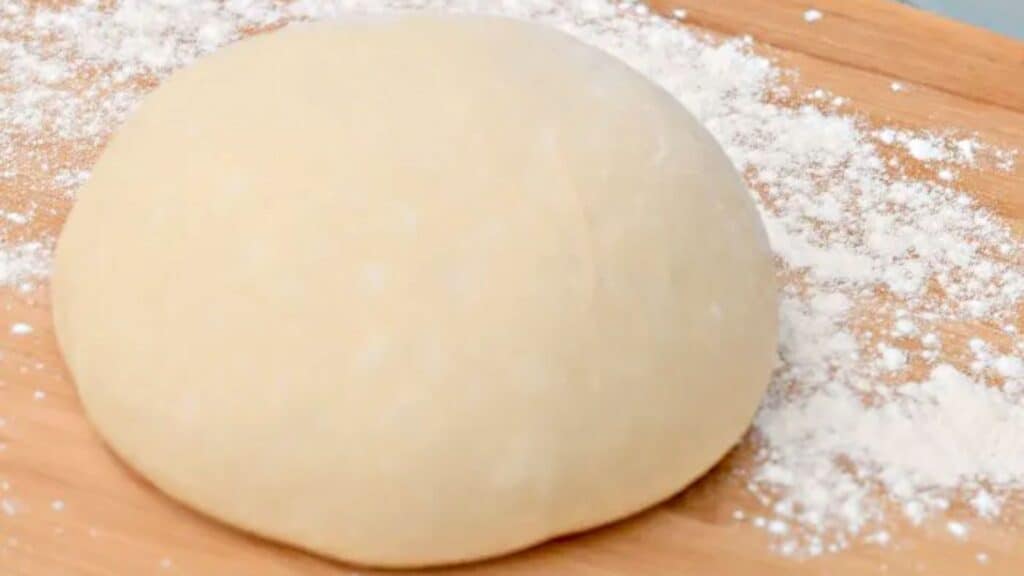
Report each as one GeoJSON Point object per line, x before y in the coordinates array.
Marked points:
{"type": "Point", "coordinates": [21, 329]}
{"type": "Point", "coordinates": [985, 504]}
{"type": "Point", "coordinates": [812, 15]}
{"type": "Point", "coordinates": [871, 415]}
{"type": "Point", "coordinates": [957, 529]}
{"type": "Point", "coordinates": [22, 264]}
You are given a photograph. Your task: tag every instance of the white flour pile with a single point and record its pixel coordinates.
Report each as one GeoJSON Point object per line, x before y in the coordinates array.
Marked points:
{"type": "Point", "coordinates": [880, 265]}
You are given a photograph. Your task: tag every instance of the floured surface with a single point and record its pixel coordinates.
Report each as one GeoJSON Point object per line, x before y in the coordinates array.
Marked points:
{"type": "Point", "coordinates": [888, 442]}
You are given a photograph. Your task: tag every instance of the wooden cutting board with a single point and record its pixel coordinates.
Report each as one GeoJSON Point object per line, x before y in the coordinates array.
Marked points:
{"type": "Point", "coordinates": [114, 523]}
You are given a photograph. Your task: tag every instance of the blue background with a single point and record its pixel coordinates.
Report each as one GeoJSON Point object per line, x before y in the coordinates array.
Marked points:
{"type": "Point", "coordinates": [1003, 16]}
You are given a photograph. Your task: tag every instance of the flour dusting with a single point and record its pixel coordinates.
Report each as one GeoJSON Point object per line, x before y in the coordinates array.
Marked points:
{"type": "Point", "coordinates": [876, 413]}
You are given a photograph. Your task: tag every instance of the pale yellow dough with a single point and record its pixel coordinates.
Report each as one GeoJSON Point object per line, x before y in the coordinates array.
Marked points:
{"type": "Point", "coordinates": [416, 290]}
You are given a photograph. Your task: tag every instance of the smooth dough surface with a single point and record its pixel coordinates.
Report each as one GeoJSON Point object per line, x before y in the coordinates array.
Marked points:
{"type": "Point", "coordinates": [416, 290]}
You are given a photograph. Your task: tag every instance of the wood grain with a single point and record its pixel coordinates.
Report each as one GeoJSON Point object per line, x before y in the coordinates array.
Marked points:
{"type": "Point", "coordinates": [114, 523]}
{"type": "Point", "coordinates": [882, 37]}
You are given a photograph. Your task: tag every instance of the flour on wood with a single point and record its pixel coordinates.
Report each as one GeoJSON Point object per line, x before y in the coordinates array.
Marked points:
{"type": "Point", "coordinates": [882, 246]}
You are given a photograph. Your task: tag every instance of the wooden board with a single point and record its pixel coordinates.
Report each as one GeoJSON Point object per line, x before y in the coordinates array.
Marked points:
{"type": "Point", "coordinates": [114, 523]}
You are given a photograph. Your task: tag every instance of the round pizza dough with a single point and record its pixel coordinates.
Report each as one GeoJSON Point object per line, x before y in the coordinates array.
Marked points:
{"type": "Point", "coordinates": [416, 290]}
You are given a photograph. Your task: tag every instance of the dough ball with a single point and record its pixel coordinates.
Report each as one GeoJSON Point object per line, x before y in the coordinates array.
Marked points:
{"type": "Point", "coordinates": [416, 290]}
